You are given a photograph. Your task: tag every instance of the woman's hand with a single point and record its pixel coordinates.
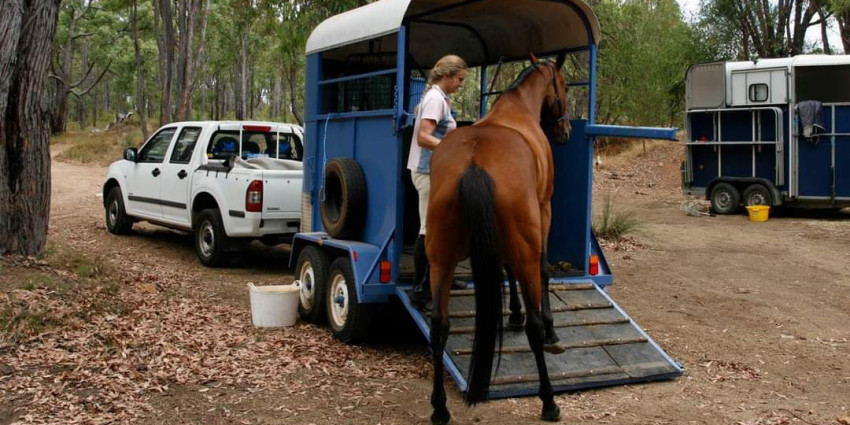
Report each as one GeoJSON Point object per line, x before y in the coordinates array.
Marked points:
{"type": "Point", "coordinates": [426, 138]}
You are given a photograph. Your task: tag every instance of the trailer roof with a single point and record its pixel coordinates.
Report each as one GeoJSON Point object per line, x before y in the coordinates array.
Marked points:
{"type": "Point", "coordinates": [801, 60]}
{"type": "Point", "coordinates": [480, 31]}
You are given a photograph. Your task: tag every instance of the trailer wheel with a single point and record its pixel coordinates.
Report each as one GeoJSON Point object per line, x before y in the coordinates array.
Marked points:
{"type": "Point", "coordinates": [313, 273]}
{"type": "Point", "coordinates": [349, 319]}
{"type": "Point", "coordinates": [725, 199]}
{"type": "Point", "coordinates": [344, 205]}
{"type": "Point", "coordinates": [757, 194]}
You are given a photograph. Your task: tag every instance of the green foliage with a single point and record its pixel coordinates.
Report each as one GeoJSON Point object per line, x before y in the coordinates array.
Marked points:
{"type": "Point", "coordinates": [645, 51]}
{"type": "Point", "coordinates": [612, 224]}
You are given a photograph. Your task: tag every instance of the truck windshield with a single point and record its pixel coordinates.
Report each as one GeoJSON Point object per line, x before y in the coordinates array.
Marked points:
{"type": "Point", "coordinates": [254, 145]}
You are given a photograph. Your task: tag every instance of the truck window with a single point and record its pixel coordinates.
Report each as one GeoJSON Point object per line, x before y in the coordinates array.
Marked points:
{"type": "Point", "coordinates": [254, 145]}
{"type": "Point", "coordinates": [182, 152]}
{"type": "Point", "coordinates": [154, 150]}
{"type": "Point", "coordinates": [289, 147]}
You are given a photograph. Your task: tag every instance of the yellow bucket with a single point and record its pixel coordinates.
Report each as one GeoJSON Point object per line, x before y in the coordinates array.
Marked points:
{"type": "Point", "coordinates": [758, 212]}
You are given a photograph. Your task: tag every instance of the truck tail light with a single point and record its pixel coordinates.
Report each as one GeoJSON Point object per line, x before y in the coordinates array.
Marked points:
{"type": "Point", "coordinates": [254, 197]}
{"type": "Point", "coordinates": [385, 271]}
{"type": "Point", "coordinates": [594, 265]}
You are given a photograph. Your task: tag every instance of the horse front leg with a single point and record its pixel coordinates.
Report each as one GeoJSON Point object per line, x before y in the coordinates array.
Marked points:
{"type": "Point", "coordinates": [532, 294]}
{"type": "Point", "coordinates": [515, 320]}
{"type": "Point", "coordinates": [441, 278]}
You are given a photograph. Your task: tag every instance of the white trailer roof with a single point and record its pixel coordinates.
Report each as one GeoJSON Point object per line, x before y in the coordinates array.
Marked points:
{"type": "Point", "coordinates": [478, 31]}
{"type": "Point", "coordinates": [801, 60]}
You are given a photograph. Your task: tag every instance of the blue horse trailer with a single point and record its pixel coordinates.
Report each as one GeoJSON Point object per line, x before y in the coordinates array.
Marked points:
{"type": "Point", "coordinates": [773, 132]}
{"type": "Point", "coordinates": [359, 219]}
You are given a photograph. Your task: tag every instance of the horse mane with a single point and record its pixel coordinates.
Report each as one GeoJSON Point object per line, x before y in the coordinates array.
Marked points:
{"type": "Point", "coordinates": [520, 79]}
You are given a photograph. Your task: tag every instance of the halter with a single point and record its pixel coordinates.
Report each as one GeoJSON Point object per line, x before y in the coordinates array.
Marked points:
{"type": "Point", "coordinates": [561, 105]}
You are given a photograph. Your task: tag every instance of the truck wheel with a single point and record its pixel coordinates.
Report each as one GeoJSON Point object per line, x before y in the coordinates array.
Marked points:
{"type": "Point", "coordinates": [312, 268]}
{"type": "Point", "coordinates": [344, 206]}
{"type": "Point", "coordinates": [210, 238]}
{"type": "Point", "coordinates": [117, 220]}
{"type": "Point", "coordinates": [757, 194]}
{"type": "Point", "coordinates": [725, 199]}
{"type": "Point", "coordinates": [349, 319]}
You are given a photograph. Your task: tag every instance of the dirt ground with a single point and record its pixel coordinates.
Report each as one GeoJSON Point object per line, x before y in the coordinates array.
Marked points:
{"type": "Point", "coordinates": [757, 313]}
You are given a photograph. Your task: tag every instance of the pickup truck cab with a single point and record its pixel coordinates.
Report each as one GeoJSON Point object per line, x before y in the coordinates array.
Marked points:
{"type": "Point", "coordinates": [220, 180]}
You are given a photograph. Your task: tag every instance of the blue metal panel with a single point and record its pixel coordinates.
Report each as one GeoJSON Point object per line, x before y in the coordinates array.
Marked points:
{"type": "Point", "coordinates": [736, 126]}
{"type": "Point", "coordinates": [736, 160]}
{"type": "Point", "coordinates": [704, 164]}
{"type": "Point", "coordinates": [591, 105]}
{"type": "Point", "coordinates": [626, 131]}
{"type": "Point", "coordinates": [842, 152]}
{"type": "Point", "coordinates": [570, 232]}
{"type": "Point", "coordinates": [702, 126]}
{"type": "Point", "coordinates": [766, 162]}
{"type": "Point", "coordinates": [815, 167]}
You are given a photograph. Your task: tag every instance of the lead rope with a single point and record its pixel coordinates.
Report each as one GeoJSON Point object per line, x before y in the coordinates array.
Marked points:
{"type": "Point", "coordinates": [324, 159]}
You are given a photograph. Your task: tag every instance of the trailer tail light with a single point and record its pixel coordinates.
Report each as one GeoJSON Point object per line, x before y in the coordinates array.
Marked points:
{"type": "Point", "coordinates": [385, 271]}
{"type": "Point", "coordinates": [257, 128]}
{"type": "Point", "coordinates": [254, 197]}
{"type": "Point", "coordinates": [594, 265]}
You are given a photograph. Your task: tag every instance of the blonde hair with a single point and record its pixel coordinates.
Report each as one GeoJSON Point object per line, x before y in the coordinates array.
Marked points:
{"type": "Point", "coordinates": [448, 66]}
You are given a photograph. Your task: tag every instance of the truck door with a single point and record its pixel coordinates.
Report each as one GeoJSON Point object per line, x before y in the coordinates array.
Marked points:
{"type": "Point", "coordinates": [144, 178]}
{"type": "Point", "coordinates": [176, 176]}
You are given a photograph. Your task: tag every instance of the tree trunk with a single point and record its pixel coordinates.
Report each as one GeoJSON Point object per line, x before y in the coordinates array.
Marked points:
{"type": "Point", "coordinates": [81, 100]}
{"type": "Point", "coordinates": [276, 89]}
{"type": "Point", "coordinates": [293, 92]}
{"type": "Point", "coordinates": [192, 61]}
{"type": "Point", "coordinates": [824, 26]}
{"type": "Point", "coordinates": [140, 75]}
{"type": "Point", "coordinates": [843, 19]}
{"type": "Point", "coordinates": [165, 42]}
{"type": "Point", "coordinates": [59, 108]}
{"type": "Point", "coordinates": [94, 109]}
{"type": "Point", "coordinates": [26, 33]}
{"type": "Point", "coordinates": [242, 76]}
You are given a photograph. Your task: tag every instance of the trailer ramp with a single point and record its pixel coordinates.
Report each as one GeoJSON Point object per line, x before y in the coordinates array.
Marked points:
{"type": "Point", "coordinates": [603, 345]}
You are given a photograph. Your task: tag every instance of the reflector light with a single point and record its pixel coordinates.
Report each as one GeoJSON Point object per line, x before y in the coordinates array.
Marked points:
{"type": "Point", "coordinates": [254, 197]}
{"type": "Point", "coordinates": [260, 128]}
{"type": "Point", "coordinates": [354, 255]}
{"type": "Point", "coordinates": [594, 265]}
{"type": "Point", "coordinates": [385, 271]}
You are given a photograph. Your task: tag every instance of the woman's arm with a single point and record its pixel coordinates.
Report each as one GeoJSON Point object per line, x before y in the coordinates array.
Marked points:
{"type": "Point", "coordinates": [426, 137]}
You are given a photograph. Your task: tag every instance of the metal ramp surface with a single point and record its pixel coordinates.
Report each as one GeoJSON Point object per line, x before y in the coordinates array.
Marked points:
{"type": "Point", "coordinates": [603, 345]}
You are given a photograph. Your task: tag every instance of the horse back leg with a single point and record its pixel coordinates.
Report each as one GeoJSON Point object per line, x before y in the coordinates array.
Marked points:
{"type": "Point", "coordinates": [441, 278]}
{"type": "Point", "coordinates": [515, 320]}
{"type": "Point", "coordinates": [529, 277]}
{"type": "Point", "coordinates": [551, 338]}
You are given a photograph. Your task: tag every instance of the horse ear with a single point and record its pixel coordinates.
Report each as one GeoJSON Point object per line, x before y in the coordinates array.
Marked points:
{"type": "Point", "coordinates": [534, 59]}
{"type": "Point", "coordinates": [559, 62]}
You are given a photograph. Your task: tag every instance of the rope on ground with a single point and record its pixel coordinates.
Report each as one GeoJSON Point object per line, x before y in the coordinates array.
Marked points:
{"type": "Point", "coordinates": [696, 208]}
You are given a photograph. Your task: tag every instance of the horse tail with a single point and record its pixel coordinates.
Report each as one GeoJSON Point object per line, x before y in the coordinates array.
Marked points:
{"type": "Point", "coordinates": [475, 193]}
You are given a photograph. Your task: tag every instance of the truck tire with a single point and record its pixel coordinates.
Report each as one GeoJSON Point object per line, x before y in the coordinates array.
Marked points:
{"type": "Point", "coordinates": [210, 238]}
{"type": "Point", "coordinates": [343, 208]}
{"type": "Point", "coordinates": [312, 269]}
{"type": "Point", "coordinates": [757, 194]}
{"type": "Point", "coordinates": [725, 199]}
{"type": "Point", "coordinates": [117, 220]}
{"type": "Point", "coordinates": [349, 319]}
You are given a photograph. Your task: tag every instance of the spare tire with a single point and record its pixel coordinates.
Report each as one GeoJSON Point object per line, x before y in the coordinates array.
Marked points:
{"type": "Point", "coordinates": [344, 205]}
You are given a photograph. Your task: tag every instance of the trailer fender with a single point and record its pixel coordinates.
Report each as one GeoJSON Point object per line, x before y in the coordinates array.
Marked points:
{"type": "Point", "coordinates": [741, 183]}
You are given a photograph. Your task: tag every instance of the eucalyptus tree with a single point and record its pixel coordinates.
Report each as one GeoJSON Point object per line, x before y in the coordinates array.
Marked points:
{"type": "Point", "coordinates": [26, 32]}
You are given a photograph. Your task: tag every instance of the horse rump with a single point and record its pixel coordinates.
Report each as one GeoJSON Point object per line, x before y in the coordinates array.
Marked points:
{"type": "Point", "coordinates": [475, 195]}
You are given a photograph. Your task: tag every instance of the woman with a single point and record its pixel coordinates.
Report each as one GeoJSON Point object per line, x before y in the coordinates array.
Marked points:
{"type": "Point", "coordinates": [433, 121]}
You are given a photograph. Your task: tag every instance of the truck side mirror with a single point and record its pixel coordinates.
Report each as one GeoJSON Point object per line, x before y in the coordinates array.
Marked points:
{"type": "Point", "coordinates": [131, 154]}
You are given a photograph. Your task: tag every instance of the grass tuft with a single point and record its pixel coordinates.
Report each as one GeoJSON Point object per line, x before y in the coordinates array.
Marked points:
{"type": "Point", "coordinates": [612, 224]}
{"type": "Point", "coordinates": [101, 148]}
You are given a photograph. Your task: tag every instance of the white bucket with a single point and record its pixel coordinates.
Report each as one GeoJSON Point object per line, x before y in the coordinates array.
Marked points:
{"type": "Point", "coordinates": [274, 306]}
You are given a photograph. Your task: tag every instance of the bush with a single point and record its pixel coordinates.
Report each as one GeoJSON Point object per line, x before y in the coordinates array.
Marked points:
{"type": "Point", "coordinates": [613, 224]}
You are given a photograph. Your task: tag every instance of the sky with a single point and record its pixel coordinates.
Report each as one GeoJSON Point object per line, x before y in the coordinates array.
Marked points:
{"type": "Point", "coordinates": [691, 7]}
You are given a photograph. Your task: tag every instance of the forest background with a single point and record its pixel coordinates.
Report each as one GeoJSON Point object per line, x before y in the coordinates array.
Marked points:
{"type": "Point", "coordinates": [80, 66]}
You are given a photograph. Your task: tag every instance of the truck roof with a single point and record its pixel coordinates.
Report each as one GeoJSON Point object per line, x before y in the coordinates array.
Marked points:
{"type": "Point", "coordinates": [237, 125]}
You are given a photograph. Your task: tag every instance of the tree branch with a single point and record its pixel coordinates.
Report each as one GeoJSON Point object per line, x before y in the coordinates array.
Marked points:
{"type": "Point", "coordinates": [86, 91]}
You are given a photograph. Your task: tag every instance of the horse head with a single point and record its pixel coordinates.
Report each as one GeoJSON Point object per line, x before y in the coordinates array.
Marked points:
{"type": "Point", "coordinates": [555, 112]}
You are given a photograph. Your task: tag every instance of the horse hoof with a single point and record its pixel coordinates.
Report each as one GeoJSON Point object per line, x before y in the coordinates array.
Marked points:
{"type": "Point", "coordinates": [552, 414]}
{"type": "Point", "coordinates": [555, 348]}
{"type": "Point", "coordinates": [441, 418]}
{"type": "Point", "coordinates": [516, 324]}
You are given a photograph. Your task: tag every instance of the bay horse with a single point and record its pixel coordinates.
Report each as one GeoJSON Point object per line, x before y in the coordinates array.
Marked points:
{"type": "Point", "coordinates": [490, 201]}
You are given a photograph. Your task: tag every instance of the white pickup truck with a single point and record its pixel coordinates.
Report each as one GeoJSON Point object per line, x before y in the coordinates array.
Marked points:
{"type": "Point", "coordinates": [220, 180]}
